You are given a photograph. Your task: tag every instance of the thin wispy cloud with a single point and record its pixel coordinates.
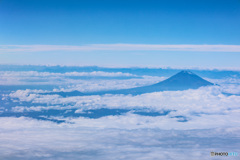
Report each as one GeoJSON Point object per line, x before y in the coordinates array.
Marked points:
{"type": "Point", "coordinates": [120, 47]}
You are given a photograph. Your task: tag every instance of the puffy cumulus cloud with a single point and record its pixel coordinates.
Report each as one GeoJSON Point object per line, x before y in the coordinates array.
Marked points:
{"type": "Point", "coordinates": [36, 108]}
{"type": "Point", "coordinates": [166, 122]}
{"type": "Point", "coordinates": [24, 138]}
{"type": "Point", "coordinates": [231, 88]}
{"type": "Point", "coordinates": [228, 85]}
{"type": "Point", "coordinates": [203, 108]}
{"type": "Point", "coordinates": [30, 95]}
{"type": "Point", "coordinates": [205, 100]}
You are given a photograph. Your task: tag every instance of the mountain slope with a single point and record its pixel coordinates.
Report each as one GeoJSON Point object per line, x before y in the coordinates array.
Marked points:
{"type": "Point", "coordinates": [181, 81]}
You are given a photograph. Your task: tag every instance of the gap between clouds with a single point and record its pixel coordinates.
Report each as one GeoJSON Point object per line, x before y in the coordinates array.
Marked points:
{"type": "Point", "coordinates": [120, 47]}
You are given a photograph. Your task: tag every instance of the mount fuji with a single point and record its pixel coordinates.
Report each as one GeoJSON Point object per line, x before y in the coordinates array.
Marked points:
{"type": "Point", "coordinates": [183, 80]}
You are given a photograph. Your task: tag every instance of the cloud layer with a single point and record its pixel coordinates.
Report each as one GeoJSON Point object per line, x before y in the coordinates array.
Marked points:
{"type": "Point", "coordinates": [24, 138]}
{"type": "Point", "coordinates": [201, 108]}
{"type": "Point", "coordinates": [200, 121]}
{"type": "Point", "coordinates": [120, 47]}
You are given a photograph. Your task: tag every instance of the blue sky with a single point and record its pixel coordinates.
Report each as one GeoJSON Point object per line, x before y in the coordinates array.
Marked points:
{"type": "Point", "coordinates": [81, 23]}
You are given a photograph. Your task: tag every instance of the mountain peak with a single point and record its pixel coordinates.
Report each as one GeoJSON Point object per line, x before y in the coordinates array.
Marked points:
{"type": "Point", "coordinates": [186, 72]}
{"type": "Point", "coordinates": [183, 80]}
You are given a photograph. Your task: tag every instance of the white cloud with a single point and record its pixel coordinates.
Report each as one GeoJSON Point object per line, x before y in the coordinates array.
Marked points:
{"type": "Point", "coordinates": [202, 108]}
{"type": "Point", "coordinates": [80, 84]}
{"type": "Point", "coordinates": [213, 122]}
{"type": "Point", "coordinates": [65, 80]}
{"type": "Point", "coordinates": [43, 74]}
{"type": "Point", "coordinates": [24, 138]}
{"type": "Point", "coordinates": [34, 77]}
{"type": "Point", "coordinates": [97, 85]}
{"type": "Point", "coordinates": [120, 47]}
{"type": "Point", "coordinates": [228, 85]}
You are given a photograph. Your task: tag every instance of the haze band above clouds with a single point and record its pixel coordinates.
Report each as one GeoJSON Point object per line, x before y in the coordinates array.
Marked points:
{"type": "Point", "coordinates": [120, 47]}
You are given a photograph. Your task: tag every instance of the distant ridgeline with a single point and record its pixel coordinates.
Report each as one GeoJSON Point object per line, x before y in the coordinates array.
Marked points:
{"type": "Point", "coordinates": [181, 81]}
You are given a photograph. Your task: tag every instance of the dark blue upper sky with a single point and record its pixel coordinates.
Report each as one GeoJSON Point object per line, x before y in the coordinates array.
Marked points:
{"type": "Point", "coordinates": [80, 22]}
{"type": "Point", "coordinates": [76, 22]}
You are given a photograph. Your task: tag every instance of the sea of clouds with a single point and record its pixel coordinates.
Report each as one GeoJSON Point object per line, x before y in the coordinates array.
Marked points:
{"type": "Point", "coordinates": [199, 121]}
